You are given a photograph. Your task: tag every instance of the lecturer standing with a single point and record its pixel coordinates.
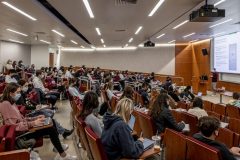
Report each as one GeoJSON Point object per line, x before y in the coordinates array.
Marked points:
{"type": "Point", "coordinates": [214, 77]}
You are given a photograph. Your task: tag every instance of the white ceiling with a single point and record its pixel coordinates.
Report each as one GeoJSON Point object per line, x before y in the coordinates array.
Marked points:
{"type": "Point", "coordinates": [110, 17]}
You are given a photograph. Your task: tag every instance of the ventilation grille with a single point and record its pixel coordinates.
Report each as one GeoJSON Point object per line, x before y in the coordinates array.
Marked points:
{"type": "Point", "coordinates": [120, 30]}
{"type": "Point", "coordinates": [125, 2]}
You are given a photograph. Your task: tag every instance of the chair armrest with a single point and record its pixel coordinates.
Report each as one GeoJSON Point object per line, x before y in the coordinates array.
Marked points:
{"type": "Point", "coordinates": [16, 155]}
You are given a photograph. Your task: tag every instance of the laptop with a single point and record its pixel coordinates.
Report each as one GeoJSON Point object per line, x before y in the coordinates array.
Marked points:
{"type": "Point", "coordinates": [131, 122]}
{"type": "Point", "coordinates": [199, 94]}
{"type": "Point", "coordinates": [147, 144]}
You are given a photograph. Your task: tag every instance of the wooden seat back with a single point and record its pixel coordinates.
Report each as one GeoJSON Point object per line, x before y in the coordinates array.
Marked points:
{"type": "Point", "coordinates": [175, 145]}
{"type": "Point", "coordinates": [197, 150]}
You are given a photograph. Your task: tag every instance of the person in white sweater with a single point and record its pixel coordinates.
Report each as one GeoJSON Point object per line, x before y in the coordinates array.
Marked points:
{"type": "Point", "coordinates": [197, 108]}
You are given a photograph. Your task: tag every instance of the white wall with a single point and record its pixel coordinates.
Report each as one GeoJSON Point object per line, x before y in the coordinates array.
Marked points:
{"type": "Point", "coordinates": [15, 52]}
{"type": "Point", "coordinates": [40, 56]}
{"type": "Point", "coordinates": [159, 59]}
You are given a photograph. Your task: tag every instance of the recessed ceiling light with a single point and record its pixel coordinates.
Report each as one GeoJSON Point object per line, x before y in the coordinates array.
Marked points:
{"type": "Point", "coordinates": [172, 41]}
{"type": "Point", "coordinates": [130, 40]}
{"type": "Point", "coordinates": [87, 5]}
{"type": "Point", "coordinates": [60, 34]}
{"type": "Point", "coordinates": [82, 47]}
{"type": "Point", "coordinates": [126, 45]}
{"type": "Point", "coordinates": [17, 32]}
{"type": "Point", "coordinates": [74, 42]}
{"type": "Point", "coordinates": [115, 48]}
{"type": "Point", "coordinates": [102, 40]}
{"type": "Point", "coordinates": [221, 23]}
{"type": "Point", "coordinates": [217, 34]}
{"type": "Point", "coordinates": [161, 35]}
{"type": "Point", "coordinates": [18, 10]}
{"type": "Point", "coordinates": [219, 2]}
{"type": "Point", "coordinates": [45, 41]}
{"type": "Point", "coordinates": [188, 35]}
{"type": "Point", "coordinates": [12, 40]}
{"type": "Point", "coordinates": [179, 25]}
{"type": "Point", "coordinates": [194, 40]}
{"type": "Point", "coordinates": [93, 47]}
{"type": "Point", "coordinates": [104, 45]}
{"type": "Point", "coordinates": [156, 8]}
{"type": "Point", "coordinates": [138, 30]}
{"type": "Point", "coordinates": [98, 31]}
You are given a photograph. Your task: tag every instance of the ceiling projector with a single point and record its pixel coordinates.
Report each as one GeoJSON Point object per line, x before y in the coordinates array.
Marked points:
{"type": "Point", "coordinates": [207, 13]}
{"type": "Point", "coordinates": [149, 44]}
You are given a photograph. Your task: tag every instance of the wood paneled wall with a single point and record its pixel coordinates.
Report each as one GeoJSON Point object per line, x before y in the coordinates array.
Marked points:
{"type": "Point", "coordinates": [191, 63]}
{"type": "Point", "coordinates": [183, 60]}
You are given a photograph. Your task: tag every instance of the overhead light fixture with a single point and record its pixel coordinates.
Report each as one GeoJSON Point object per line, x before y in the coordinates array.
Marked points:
{"type": "Point", "coordinates": [217, 34]}
{"type": "Point", "coordinates": [116, 48]}
{"type": "Point", "coordinates": [104, 45]}
{"type": "Point", "coordinates": [156, 8]}
{"type": "Point", "coordinates": [188, 35]}
{"type": "Point", "coordinates": [219, 2]}
{"type": "Point", "coordinates": [12, 40]}
{"type": "Point", "coordinates": [18, 10]}
{"type": "Point", "coordinates": [82, 47]}
{"type": "Point", "coordinates": [215, 25]}
{"type": "Point", "coordinates": [60, 34]}
{"type": "Point", "coordinates": [130, 40]}
{"type": "Point", "coordinates": [138, 30]}
{"type": "Point", "coordinates": [126, 45]}
{"type": "Point", "coordinates": [161, 35]}
{"type": "Point", "coordinates": [74, 42]}
{"type": "Point", "coordinates": [59, 46]}
{"type": "Point", "coordinates": [98, 31]}
{"type": "Point", "coordinates": [194, 40]}
{"type": "Point", "coordinates": [93, 47]}
{"type": "Point", "coordinates": [70, 49]}
{"type": "Point", "coordinates": [17, 32]}
{"type": "Point", "coordinates": [102, 40]}
{"type": "Point", "coordinates": [45, 41]}
{"type": "Point", "coordinates": [179, 25]}
{"type": "Point", "coordinates": [172, 41]}
{"type": "Point", "coordinates": [87, 5]}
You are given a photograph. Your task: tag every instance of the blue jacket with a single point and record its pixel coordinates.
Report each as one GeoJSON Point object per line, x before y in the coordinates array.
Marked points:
{"type": "Point", "coordinates": [117, 139]}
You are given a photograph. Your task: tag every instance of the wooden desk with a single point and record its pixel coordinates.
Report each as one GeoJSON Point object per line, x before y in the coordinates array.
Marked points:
{"type": "Point", "coordinates": [226, 93]}
{"type": "Point", "coordinates": [149, 153]}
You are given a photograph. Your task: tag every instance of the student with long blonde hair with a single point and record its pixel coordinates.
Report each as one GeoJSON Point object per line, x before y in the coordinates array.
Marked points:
{"type": "Point", "coordinates": [116, 136]}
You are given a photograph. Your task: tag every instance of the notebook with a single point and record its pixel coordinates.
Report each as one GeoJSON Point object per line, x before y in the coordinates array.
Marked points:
{"type": "Point", "coordinates": [186, 128]}
{"type": "Point", "coordinates": [131, 122]}
{"type": "Point", "coordinates": [147, 144]}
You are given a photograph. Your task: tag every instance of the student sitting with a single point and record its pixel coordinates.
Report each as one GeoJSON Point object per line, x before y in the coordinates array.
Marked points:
{"type": "Point", "coordinates": [236, 100]}
{"type": "Point", "coordinates": [38, 84]}
{"type": "Point", "coordinates": [68, 73]}
{"type": "Point", "coordinates": [128, 93]}
{"type": "Point", "coordinates": [162, 116]}
{"type": "Point", "coordinates": [144, 94]}
{"type": "Point", "coordinates": [187, 94]}
{"type": "Point", "coordinates": [208, 127]}
{"type": "Point", "coordinates": [116, 137]}
{"type": "Point", "coordinates": [173, 93]}
{"type": "Point", "coordinates": [10, 77]}
{"type": "Point", "coordinates": [9, 66]}
{"type": "Point", "coordinates": [73, 89]}
{"type": "Point", "coordinates": [197, 108]}
{"type": "Point", "coordinates": [109, 88]}
{"type": "Point", "coordinates": [90, 105]}
{"type": "Point", "coordinates": [21, 99]}
{"type": "Point", "coordinates": [12, 116]}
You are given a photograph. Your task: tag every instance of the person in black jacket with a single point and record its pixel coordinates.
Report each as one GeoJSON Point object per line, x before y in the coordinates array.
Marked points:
{"type": "Point", "coordinates": [162, 116]}
{"type": "Point", "coordinates": [208, 127]}
{"type": "Point", "coordinates": [116, 136]}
